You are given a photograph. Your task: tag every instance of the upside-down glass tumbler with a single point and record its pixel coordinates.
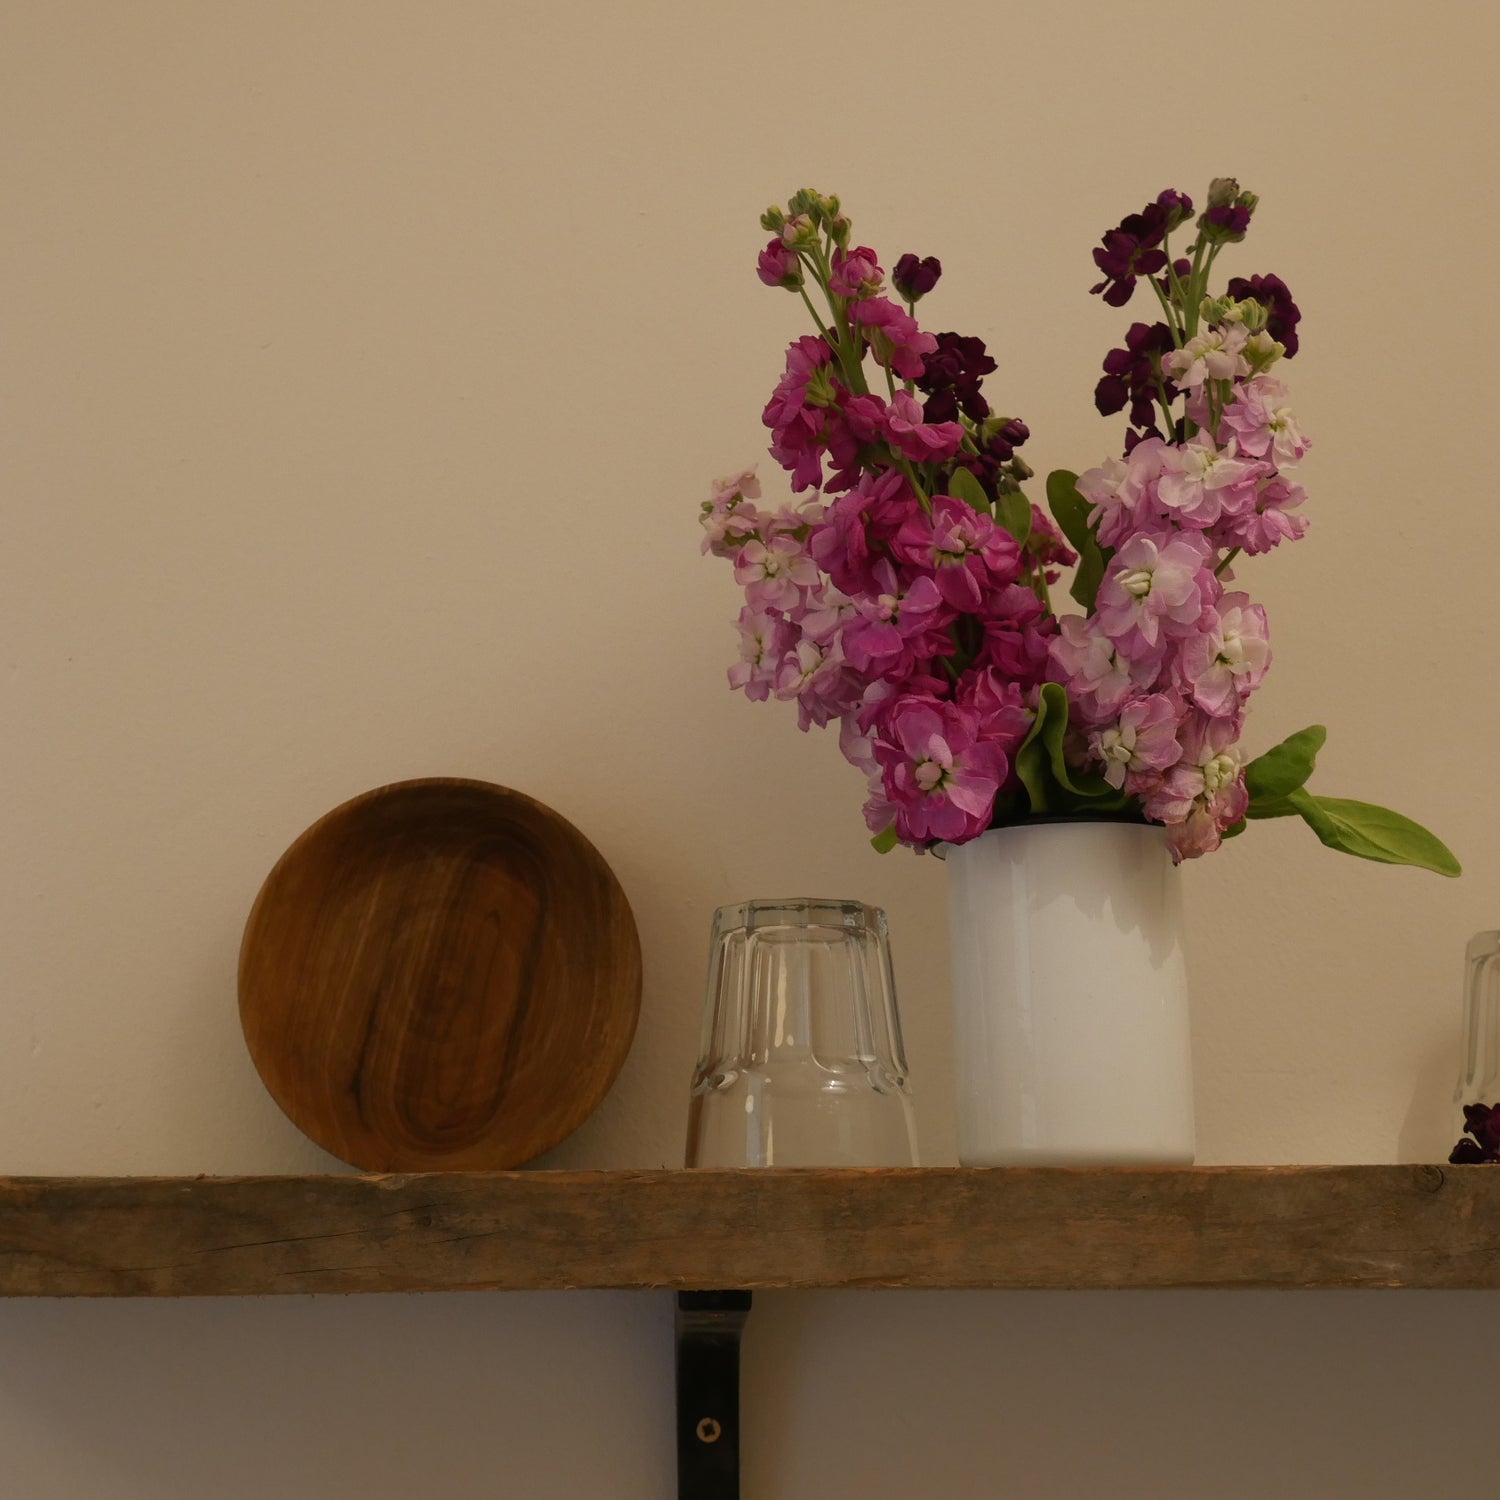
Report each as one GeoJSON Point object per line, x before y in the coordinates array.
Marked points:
{"type": "Point", "coordinates": [801, 1063]}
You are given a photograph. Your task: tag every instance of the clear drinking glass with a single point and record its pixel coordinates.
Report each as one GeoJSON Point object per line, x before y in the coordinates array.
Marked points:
{"type": "Point", "coordinates": [1479, 1070]}
{"type": "Point", "coordinates": [801, 1063]}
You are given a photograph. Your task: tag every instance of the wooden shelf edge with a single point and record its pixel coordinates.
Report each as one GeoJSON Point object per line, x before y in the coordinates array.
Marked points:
{"type": "Point", "coordinates": [1052, 1227]}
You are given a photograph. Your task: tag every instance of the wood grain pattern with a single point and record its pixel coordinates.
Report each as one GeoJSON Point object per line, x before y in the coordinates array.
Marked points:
{"type": "Point", "coordinates": [1397, 1226]}
{"type": "Point", "coordinates": [440, 975]}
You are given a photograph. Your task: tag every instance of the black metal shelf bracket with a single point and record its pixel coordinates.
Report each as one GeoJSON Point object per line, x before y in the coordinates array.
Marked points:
{"type": "Point", "coordinates": [708, 1328]}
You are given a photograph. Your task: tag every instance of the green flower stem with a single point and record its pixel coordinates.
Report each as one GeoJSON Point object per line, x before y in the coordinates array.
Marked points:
{"type": "Point", "coordinates": [816, 319]}
{"type": "Point", "coordinates": [1229, 557]}
{"type": "Point", "coordinates": [1166, 307]}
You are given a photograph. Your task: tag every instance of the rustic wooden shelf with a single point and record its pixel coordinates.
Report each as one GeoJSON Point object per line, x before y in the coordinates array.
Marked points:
{"type": "Point", "coordinates": [1363, 1226]}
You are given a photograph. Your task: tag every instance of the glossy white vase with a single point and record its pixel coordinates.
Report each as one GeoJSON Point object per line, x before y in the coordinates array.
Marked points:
{"type": "Point", "coordinates": [1070, 1003]}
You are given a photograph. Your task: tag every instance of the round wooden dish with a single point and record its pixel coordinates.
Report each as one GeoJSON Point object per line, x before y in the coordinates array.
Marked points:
{"type": "Point", "coordinates": [440, 975]}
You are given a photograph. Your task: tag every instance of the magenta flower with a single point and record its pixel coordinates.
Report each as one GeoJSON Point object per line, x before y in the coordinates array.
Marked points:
{"type": "Point", "coordinates": [895, 629]}
{"type": "Point", "coordinates": [967, 554]}
{"type": "Point", "coordinates": [779, 265]}
{"type": "Point", "coordinates": [894, 337]}
{"type": "Point", "coordinates": [939, 774]}
{"type": "Point", "coordinates": [1018, 632]}
{"type": "Point", "coordinates": [1223, 662]}
{"type": "Point", "coordinates": [911, 435]}
{"type": "Point", "coordinates": [856, 273]}
{"type": "Point", "coordinates": [1155, 585]}
{"type": "Point", "coordinates": [857, 530]}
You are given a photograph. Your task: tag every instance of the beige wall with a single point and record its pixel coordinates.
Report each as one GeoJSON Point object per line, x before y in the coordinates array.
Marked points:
{"type": "Point", "coordinates": [365, 364]}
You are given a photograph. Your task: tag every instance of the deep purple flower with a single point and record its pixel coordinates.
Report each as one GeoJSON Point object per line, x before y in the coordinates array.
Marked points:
{"type": "Point", "coordinates": [1135, 247]}
{"type": "Point", "coordinates": [914, 278]}
{"type": "Point", "coordinates": [1230, 220]}
{"type": "Point", "coordinates": [1482, 1121]}
{"type": "Point", "coordinates": [1131, 377]}
{"type": "Point", "coordinates": [1273, 295]}
{"type": "Point", "coordinates": [950, 379]}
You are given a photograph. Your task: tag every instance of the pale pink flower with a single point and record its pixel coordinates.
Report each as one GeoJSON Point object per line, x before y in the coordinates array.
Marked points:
{"type": "Point", "coordinates": [774, 573]}
{"type": "Point", "coordinates": [765, 638]}
{"type": "Point", "coordinates": [1205, 787]}
{"type": "Point", "coordinates": [1224, 662]}
{"type": "Point", "coordinates": [817, 678]}
{"type": "Point", "coordinates": [825, 612]}
{"type": "Point", "coordinates": [1090, 665]}
{"type": "Point", "coordinates": [1201, 482]}
{"type": "Point", "coordinates": [1272, 521]}
{"type": "Point", "coordinates": [1123, 492]}
{"type": "Point", "coordinates": [1215, 354]}
{"type": "Point", "coordinates": [1141, 743]}
{"type": "Point", "coordinates": [1262, 424]}
{"type": "Point", "coordinates": [1155, 585]}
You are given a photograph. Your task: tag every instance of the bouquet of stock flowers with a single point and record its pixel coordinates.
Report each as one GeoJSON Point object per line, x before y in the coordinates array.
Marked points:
{"type": "Point", "coordinates": [908, 594]}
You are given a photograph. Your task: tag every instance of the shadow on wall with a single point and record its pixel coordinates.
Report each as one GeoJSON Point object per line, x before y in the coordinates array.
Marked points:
{"type": "Point", "coordinates": [536, 1395]}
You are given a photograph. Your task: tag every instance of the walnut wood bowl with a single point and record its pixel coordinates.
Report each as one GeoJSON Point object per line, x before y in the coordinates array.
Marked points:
{"type": "Point", "coordinates": [439, 975]}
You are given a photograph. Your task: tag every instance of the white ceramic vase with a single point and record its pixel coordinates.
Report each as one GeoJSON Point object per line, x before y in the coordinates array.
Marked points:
{"type": "Point", "coordinates": [1070, 1004]}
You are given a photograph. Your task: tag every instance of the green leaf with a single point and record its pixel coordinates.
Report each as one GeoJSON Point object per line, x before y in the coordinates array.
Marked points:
{"type": "Point", "coordinates": [1013, 511]}
{"type": "Point", "coordinates": [1235, 829]}
{"type": "Point", "coordinates": [962, 485]}
{"type": "Point", "coordinates": [1274, 776]}
{"type": "Point", "coordinates": [1031, 758]}
{"type": "Point", "coordinates": [1071, 512]}
{"type": "Point", "coordinates": [1372, 832]}
{"type": "Point", "coordinates": [883, 843]}
{"type": "Point", "coordinates": [1054, 731]}
{"type": "Point", "coordinates": [1282, 809]}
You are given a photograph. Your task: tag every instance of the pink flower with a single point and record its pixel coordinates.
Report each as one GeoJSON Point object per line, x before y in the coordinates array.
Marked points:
{"type": "Point", "coordinates": [1225, 661]}
{"type": "Point", "coordinates": [799, 429]}
{"type": "Point", "coordinates": [1140, 744]}
{"type": "Point", "coordinates": [825, 612]}
{"type": "Point", "coordinates": [765, 637]}
{"type": "Point", "coordinates": [1155, 585]}
{"type": "Point", "coordinates": [893, 335]}
{"type": "Point", "coordinates": [1262, 424]}
{"type": "Point", "coordinates": [914, 438]}
{"type": "Point", "coordinates": [940, 776]}
{"type": "Point", "coordinates": [855, 273]}
{"type": "Point", "coordinates": [967, 554]}
{"type": "Point", "coordinates": [1201, 482]}
{"type": "Point", "coordinates": [1098, 678]}
{"type": "Point", "coordinates": [1001, 713]}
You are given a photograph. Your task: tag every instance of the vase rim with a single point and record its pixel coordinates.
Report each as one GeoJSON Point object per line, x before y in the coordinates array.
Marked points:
{"type": "Point", "coordinates": [799, 911]}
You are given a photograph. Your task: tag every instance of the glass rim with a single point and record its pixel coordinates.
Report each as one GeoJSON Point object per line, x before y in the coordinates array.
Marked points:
{"type": "Point", "coordinates": [800, 911]}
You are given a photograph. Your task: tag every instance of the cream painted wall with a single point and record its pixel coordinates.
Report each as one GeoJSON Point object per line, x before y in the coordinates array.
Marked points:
{"type": "Point", "coordinates": [365, 364]}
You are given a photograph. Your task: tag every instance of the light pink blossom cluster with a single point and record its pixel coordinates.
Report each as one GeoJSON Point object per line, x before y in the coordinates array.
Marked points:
{"type": "Point", "coordinates": [1159, 675]}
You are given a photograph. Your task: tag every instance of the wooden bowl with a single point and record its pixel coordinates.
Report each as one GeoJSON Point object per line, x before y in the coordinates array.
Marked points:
{"type": "Point", "coordinates": [440, 975]}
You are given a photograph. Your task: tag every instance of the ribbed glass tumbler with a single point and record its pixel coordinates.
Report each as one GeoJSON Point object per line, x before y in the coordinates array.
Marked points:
{"type": "Point", "coordinates": [802, 1063]}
